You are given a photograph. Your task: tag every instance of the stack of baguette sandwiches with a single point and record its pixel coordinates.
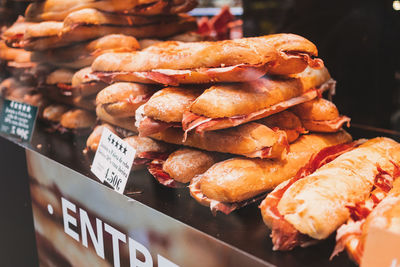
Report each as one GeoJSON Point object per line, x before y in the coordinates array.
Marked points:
{"type": "Point", "coordinates": [234, 122]}
{"type": "Point", "coordinates": [65, 37]}
{"type": "Point", "coordinates": [242, 112]}
{"type": "Point", "coordinates": [251, 119]}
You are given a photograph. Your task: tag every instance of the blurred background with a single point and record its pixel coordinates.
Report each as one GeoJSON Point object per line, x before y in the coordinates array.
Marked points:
{"type": "Point", "coordinates": [359, 42]}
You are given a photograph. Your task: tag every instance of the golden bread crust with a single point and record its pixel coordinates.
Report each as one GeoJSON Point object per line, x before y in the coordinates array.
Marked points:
{"type": "Point", "coordinates": [92, 16]}
{"type": "Point", "coordinates": [93, 140]}
{"type": "Point", "coordinates": [77, 119]}
{"type": "Point", "coordinates": [238, 73]}
{"type": "Point", "coordinates": [54, 112]}
{"type": "Point", "coordinates": [317, 109]}
{"type": "Point", "coordinates": [81, 32]}
{"type": "Point", "coordinates": [122, 99]}
{"type": "Point", "coordinates": [15, 30]}
{"type": "Point", "coordinates": [249, 140]}
{"type": "Point", "coordinates": [43, 29]}
{"type": "Point", "coordinates": [239, 179]}
{"type": "Point", "coordinates": [83, 54]}
{"type": "Point", "coordinates": [228, 100]}
{"type": "Point", "coordinates": [286, 121]}
{"type": "Point", "coordinates": [86, 84]}
{"type": "Point", "coordinates": [83, 76]}
{"type": "Point", "coordinates": [329, 126]}
{"type": "Point", "coordinates": [183, 164]}
{"type": "Point", "coordinates": [60, 76]}
{"type": "Point", "coordinates": [14, 54]}
{"type": "Point", "coordinates": [50, 35]}
{"type": "Point", "coordinates": [170, 103]}
{"type": "Point", "coordinates": [58, 10]}
{"type": "Point", "coordinates": [125, 123]}
{"type": "Point", "coordinates": [344, 181]}
{"type": "Point", "coordinates": [191, 55]}
{"type": "Point", "coordinates": [145, 144]}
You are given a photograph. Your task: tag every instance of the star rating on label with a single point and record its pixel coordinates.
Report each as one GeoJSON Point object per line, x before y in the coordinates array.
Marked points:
{"type": "Point", "coordinates": [20, 106]}
{"type": "Point", "coordinates": [117, 145]}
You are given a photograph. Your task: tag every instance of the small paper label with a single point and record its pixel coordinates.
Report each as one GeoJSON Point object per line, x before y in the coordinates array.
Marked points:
{"type": "Point", "coordinates": [113, 160]}
{"type": "Point", "coordinates": [382, 248]}
{"type": "Point", "coordinates": [18, 119]}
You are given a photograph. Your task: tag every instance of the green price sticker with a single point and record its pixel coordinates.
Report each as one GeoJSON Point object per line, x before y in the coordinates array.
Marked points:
{"type": "Point", "coordinates": [18, 119]}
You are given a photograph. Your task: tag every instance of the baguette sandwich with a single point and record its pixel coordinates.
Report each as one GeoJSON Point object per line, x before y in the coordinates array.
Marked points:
{"type": "Point", "coordinates": [58, 10]}
{"type": "Point", "coordinates": [89, 24]}
{"type": "Point", "coordinates": [380, 210]}
{"type": "Point", "coordinates": [246, 59]}
{"type": "Point", "coordinates": [117, 103]}
{"type": "Point", "coordinates": [83, 54]}
{"type": "Point", "coordinates": [224, 106]}
{"type": "Point", "coordinates": [310, 207]}
{"type": "Point", "coordinates": [320, 115]}
{"type": "Point", "coordinates": [178, 168]}
{"type": "Point", "coordinates": [14, 35]}
{"type": "Point", "coordinates": [58, 87]}
{"type": "Point", "coordinates": [230, 184]}
{"type": "Point", "coordinates": [84, 84]}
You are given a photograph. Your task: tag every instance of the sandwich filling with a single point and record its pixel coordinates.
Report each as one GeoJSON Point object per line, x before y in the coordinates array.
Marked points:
{"type": "Point", "coordinates": [200, 123]}
{"type": "Point", "coordinates": [284, 235]}
{"type": "Point", "coordinates": [349, 235]}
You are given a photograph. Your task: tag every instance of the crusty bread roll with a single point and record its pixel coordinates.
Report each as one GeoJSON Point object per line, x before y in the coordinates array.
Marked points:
{"type": "Point", "coordinates": [91, 16]}
{"type": "Point", "coordinates": [241, 99]}
{"type": "Point", "coordinates": [240, 103]}
{"type": "Point", "coordinates": [83, 76]}
{"type": "Point", "coordinates": [125, 123]}
{"type": "Point", "coordinates": [121, 100]}
{"type": "Point", "coordinates": [385, 215]}
{"type": "Point", "coordinates": [251, 140]}
{"type": "Point", "coordinates": [88, 102]}
{"type": "Point", "coordinates": [41, 36]}
{"type": "Point", "coordinates": [60, 76]}
{"type": "Point", "coordinates": [85, 84]}
{"type": "Point", "coordinates": [83, 54]}
{"type": "Point", "coordinates": [183, 164]}
{"type": "Point", "coordinates": [14, 54]}
{"type": "Point", "coordinates": [191, 55]}
{"type": "Point", "coordinates": [14, 35]}
{"type": "Point", "coordinates": [169, 103]}
{"type": "Point", "coordinates": [78, 119]}
{"type": "Point", "coordinates": [59, 10]}
{"type": "Point", "coordinates": [90, 24]}
{"type": "Point", "coordinates": [54, 112]}
{"type": "Point", "coordinates": [380, 210]}
{"type": "Point", "coordinates": [287, 122]}
{"type": "Point", "coordinates": [238, 179]}
{"type": "Point", "coordinates": [229, 104]}
{"type": "Point", "coordinates": [93, 140]}
{"type": "Point", "coordinates": [316, 204]}
{"type": "Point", "coordinates": [203, 62]}
{"type": "Point", "coordinates": [320, 115]}
{"type": "Point", "coordinates": [145, 145]}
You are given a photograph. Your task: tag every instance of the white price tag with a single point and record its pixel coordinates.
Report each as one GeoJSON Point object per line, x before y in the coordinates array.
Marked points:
{"type": "Point", "coordinates": [113, 160]}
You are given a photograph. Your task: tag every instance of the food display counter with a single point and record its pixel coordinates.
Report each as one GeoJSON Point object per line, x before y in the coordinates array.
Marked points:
{"type": "Point", "coordinates": [166, 223]}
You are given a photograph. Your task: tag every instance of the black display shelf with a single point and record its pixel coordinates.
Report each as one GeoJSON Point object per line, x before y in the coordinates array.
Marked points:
{"type": "Point", "coordinates": [243, 231]}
